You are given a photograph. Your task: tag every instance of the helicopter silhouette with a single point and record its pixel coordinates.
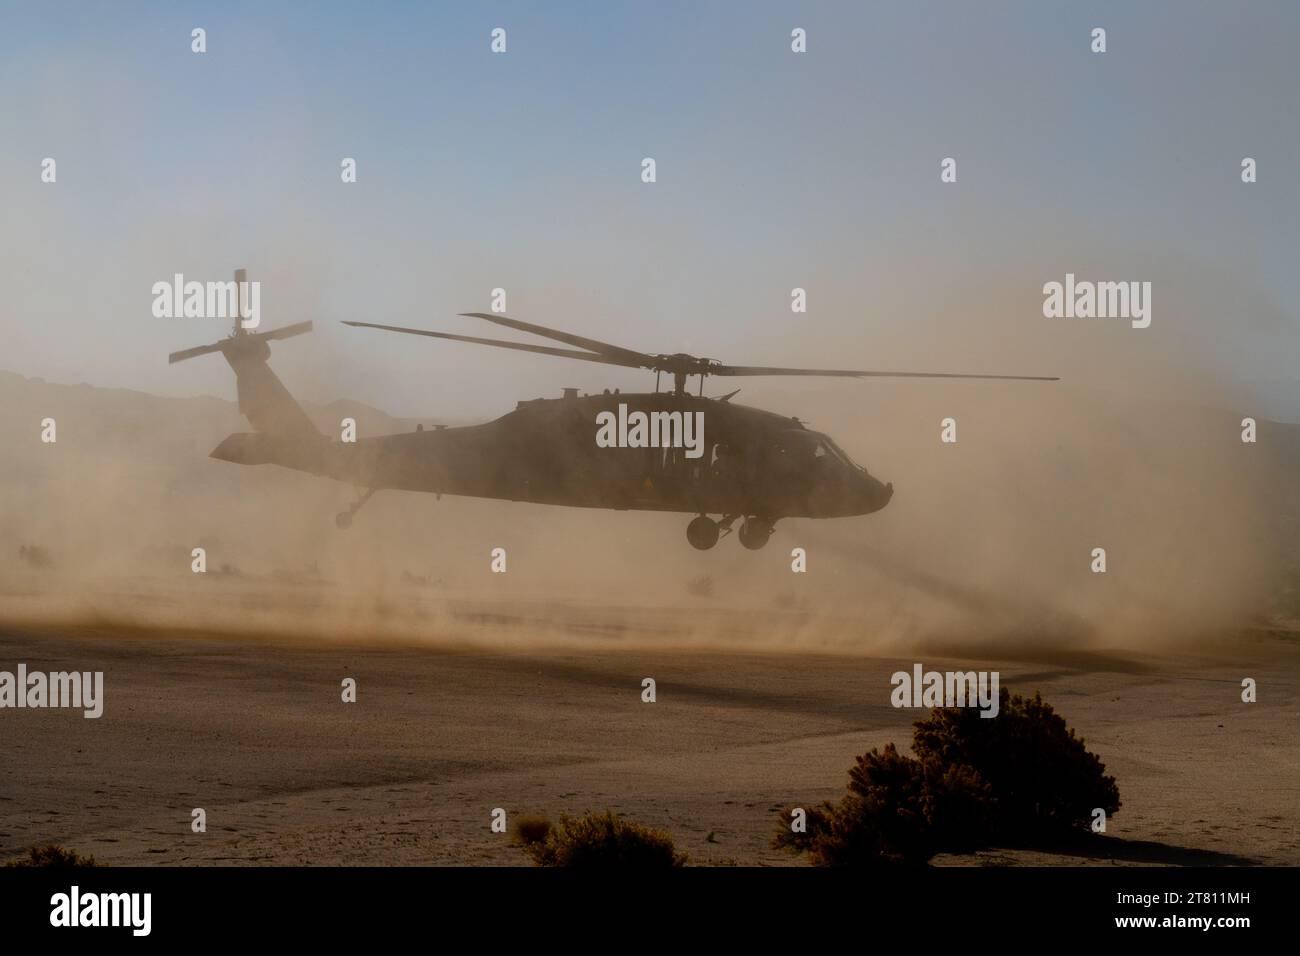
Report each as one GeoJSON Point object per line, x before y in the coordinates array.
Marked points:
{"type": "Point", "coordinates": [739, 463]}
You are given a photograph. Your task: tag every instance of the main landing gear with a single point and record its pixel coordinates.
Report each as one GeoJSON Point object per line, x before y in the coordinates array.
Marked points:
{"type": "Point", "coordinates": [703, 532]}
{"type": "Point", "coordinates": [755, 532]}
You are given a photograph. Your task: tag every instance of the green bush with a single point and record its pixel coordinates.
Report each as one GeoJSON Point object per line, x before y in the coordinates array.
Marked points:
{"type": "Point", "coordinates": [1045, 781]}
{"type": "Point", "coordinates": [53, 855]}
{"type": "Point", "coordinates": [597, 840]}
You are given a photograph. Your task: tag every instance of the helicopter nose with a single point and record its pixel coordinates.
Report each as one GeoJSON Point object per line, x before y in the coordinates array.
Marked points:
{"type": "Point", "coordinates": [876, 494]}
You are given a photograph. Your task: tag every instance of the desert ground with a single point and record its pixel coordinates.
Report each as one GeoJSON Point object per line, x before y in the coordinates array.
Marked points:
{"type": "Point", "coordinates": [253, 730]}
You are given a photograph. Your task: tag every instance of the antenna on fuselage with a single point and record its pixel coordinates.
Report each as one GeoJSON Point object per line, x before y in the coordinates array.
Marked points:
{"type": "Point", "coordinates": [241, 283]}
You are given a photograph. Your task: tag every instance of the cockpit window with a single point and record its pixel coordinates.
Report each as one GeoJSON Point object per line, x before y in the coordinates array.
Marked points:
{"type": "Point", "coordinates": [839, 453]}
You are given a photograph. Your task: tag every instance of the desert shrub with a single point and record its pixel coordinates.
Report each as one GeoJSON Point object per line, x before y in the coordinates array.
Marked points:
{"type": "Point", "coordinates": [817, 822]}
{"type": "Point", "coordinates": [903, 810]}
{"type": "Point", "coordinates": [884, 813]}
{"type": "Point", "coordinates": [1022, 777]}
{"type": "Point", "coordinates": [899, 810]}
{"type": "Point", "coordinates": [53, 855]}
{"type": "Point", "coordinates": [530, 830]}
{"type": "Point", "coordinates": [959, 807]}
{"type": "Point", "coordinates": [597, 840]}
{"type": "Point", "coordinates": [1044, 780]}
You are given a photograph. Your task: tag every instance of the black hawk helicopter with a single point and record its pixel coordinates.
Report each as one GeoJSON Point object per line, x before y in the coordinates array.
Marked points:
{"type": "Point", "coordinates": [654, 451]}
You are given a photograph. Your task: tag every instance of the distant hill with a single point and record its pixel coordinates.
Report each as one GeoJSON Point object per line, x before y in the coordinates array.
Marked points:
{"type": "Point", "coordinates": [371, 420]}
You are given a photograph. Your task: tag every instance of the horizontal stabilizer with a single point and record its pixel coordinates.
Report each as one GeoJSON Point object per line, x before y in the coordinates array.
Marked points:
{"type": "Point", "coordinates": [301, 451]}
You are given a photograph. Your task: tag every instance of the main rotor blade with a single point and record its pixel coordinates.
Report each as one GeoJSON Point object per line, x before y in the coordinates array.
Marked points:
{"type": "Point", "coordinates": [517, 346]}
{"type": "Point", "coordinates": [851, 373]}
{"type": "Point", "coordinates": [621, 356]}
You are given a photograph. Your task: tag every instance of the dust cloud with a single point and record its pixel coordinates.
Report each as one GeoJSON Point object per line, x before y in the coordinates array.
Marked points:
{"type": "Point", "coordinates": [988, 541]}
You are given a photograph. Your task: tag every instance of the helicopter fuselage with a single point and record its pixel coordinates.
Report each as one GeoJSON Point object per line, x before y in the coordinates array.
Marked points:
{"type": "Point", "coordinates": [743, 461]}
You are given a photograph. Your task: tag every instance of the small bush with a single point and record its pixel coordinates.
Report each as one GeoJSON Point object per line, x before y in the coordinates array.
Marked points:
{"type": "Point", "coordinates": [53, 855]}
{"type": "Point", "coordinates": [817, 822]}
{"type": "Point", "coordinates": [1046, 782]}
{"type": "Point", "coordinates": [1022, 777]}
{"type": "Point", "coordinates": [530, 830]}
{"type": "Point", "coordinates": [898, 810]}
{"type": "Point", "coordinates": [883, 815]}
{"type": "Point", "coordinates": [959, 807]}
{"type": "Point", "coordinates": [597, 840]}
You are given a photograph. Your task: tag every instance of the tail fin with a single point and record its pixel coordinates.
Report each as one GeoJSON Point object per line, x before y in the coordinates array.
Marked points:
{"type": "Point", "coordinates": [263, 399]}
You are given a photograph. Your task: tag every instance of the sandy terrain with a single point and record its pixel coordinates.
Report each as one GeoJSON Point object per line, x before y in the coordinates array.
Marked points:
{"type": "Point", "coordinates": [253, 730]}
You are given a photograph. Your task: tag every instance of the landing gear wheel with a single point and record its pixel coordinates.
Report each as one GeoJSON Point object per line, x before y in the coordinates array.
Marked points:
{"type": "Point", "coordinates": [755, 532]}
{"type": "Point", "coordinates": [702, 533]}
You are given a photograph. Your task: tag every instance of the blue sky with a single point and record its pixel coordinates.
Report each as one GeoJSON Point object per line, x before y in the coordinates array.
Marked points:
{"type": "Point", "coordinates": [775, 170]}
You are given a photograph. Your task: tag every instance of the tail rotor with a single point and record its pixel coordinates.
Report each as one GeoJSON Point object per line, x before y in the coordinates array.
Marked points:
{"type": "Point", "coordinates": [263, 399]}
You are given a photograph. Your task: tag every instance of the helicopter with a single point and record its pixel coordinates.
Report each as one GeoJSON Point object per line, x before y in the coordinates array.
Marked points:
{"type": "Point", "coordinates": [664, 450]}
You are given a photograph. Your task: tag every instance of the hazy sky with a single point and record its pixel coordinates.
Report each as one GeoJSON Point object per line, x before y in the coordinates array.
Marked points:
{"type": "Point", "coordinates": [775, 170]}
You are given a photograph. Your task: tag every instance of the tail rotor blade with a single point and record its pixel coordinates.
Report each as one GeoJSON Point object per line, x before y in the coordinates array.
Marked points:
{"type": "Point", "coordinates": [240, 341]}
{"type": "Point", "coordinates": [184, 354]}
{"type": "Point", "coordinates": [287, 332]}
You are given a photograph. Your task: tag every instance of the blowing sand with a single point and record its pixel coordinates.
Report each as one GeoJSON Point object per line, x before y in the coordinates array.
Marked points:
{"type": "Point", "coordinates": [253, 731]}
